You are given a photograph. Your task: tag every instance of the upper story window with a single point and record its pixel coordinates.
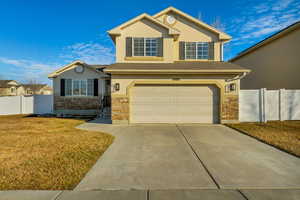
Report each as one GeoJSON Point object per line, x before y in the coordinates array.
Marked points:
{"type": "Point", "coordinates": [196, 50]}
{"type": "Point", "coordinates": [145, 47]}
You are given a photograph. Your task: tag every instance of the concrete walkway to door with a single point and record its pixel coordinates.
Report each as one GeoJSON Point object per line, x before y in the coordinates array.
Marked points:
{"type": "Point", "coordinates": [150, 157]}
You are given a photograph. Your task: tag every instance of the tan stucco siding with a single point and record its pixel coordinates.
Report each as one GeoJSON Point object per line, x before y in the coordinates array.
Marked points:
{"type": "Point", "coordinates": [144, 28]}
{"type": "Point", "coordinates": [126, 80]}
{"type": "Point", "coordinates": [7, 91]}
{"type": "Point", "coordinates": [122, 99]}
{"type": "Point", "coordinates": [274, 65]}
{"type": "Point", "coordinates": [71, 74]}
{"type": "Point", "coordinates": [190, 32]}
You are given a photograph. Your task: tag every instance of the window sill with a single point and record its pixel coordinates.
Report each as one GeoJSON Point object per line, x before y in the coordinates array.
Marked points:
{"type": "Point", "coordinates": [79, 96]}
{"type": "Point", "coordinates": [195, 60]}
{"type": "Point", "coordinates": [145, 58]}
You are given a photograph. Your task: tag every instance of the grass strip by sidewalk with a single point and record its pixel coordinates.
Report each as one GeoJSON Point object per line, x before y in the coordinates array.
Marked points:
{"type": "Point", "coordinates": [46, 153]}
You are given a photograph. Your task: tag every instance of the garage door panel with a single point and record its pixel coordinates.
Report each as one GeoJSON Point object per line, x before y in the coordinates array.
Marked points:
{"type": "Point", "coordinates": [174, 104]}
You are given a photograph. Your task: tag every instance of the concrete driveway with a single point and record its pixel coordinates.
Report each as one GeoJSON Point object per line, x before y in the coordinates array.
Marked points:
{"type": "Point", "coordinates": [151, 157]}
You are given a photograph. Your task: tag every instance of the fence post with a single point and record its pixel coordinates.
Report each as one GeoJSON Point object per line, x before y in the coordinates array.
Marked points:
{"type": "Point", "coordinates": [281, 104]}
{"type": "Point", "coordinates": [21, 105]}
{"type": "Point", "coordinates": [263, 105]}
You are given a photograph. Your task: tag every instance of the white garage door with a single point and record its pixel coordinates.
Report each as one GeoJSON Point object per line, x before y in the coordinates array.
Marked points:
{"type": "Point", "coordinates": [174, 104]}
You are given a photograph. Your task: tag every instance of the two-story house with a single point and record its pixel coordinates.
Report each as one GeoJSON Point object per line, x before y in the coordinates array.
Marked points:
{"type": "Point", "coordinates": [169, 69]}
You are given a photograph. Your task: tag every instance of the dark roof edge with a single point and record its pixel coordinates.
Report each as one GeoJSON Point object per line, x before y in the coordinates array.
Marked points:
{"type": "Point", "coordinates": [265, 41]}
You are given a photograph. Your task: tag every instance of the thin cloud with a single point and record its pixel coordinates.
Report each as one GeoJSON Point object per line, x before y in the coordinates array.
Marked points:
{"type": "Point", "coordinates": [262, 20]}
{"type": "Point", "coordinates": [24, 70]}
{"type": "Point", "coordinates": [91, 53]}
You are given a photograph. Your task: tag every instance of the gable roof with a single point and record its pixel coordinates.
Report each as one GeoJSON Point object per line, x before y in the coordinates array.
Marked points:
{"type": "Point", "coordinates": [222, 35]}
{"type": "Point", "coordinates": [72, 65]}
{"type": "Point", "coordinates": [268, 40]}
{"type": "Point", "coordinates": [117, 30]}
{"type": "Point", "coordinates": [5, 83]}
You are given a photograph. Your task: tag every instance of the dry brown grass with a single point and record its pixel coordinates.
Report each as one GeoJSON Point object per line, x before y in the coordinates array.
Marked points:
{"type": "Point", "coordinates": [46, 153]}
{"type": "Point", "coordinates": [285, 135]}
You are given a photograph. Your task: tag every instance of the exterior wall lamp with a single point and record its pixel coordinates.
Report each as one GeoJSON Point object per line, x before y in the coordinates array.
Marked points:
{"type": "Point", "coordinates": [117, 86]}
{"type": "Point", "coordinates": [232, 87]}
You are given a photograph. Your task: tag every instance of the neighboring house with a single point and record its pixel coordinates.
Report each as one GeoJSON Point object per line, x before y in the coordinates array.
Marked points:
{"type": "Point", "coordinates": [10, 88]}
{"type": "Point", "coordinates": [274, 62]}
{"type": "Point", "coordinates": [169, 69]}
{"type": "Point", "coordinates": [35, 89]}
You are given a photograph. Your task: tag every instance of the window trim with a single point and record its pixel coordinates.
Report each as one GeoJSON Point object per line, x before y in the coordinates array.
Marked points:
{"type": "Point", "coordinates": [144, 38]}
{"type": "Point", "coordinates": [196, 56]}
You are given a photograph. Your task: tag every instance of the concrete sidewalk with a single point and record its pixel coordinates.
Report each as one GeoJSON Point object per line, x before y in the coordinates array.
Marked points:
{"type": "Point", "coordinates": [209, 194]}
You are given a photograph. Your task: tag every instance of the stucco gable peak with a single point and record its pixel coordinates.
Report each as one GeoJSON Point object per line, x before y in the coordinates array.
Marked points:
{"type": "Point", "coordinates": [117, 30]}
{"type": "Point", "coordinates": [222, 35]}
{"type": "Point", "coordinates": [70, 66]}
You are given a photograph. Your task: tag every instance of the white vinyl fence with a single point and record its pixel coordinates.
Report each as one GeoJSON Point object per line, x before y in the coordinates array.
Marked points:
{"type": "Point", "coordinates": [264, 105]}
{"type": "Point", "coordinates": [36, 104]}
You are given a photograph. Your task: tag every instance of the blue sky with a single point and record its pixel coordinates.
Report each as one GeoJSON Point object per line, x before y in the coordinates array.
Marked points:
{"type": "Point", "coordinates": [38, 37]}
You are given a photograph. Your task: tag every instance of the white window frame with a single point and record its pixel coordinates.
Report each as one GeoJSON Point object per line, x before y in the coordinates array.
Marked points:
{"type": "Point", "coordinates": [148, 38]}
{"type": "Point", "coordinates": [196, 58]}
{"type": "Point", "coordinates": [80, 88]}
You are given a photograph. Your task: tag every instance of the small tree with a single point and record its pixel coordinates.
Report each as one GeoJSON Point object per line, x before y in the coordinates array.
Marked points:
{"type": "Point", "coordinates": [217, 23]}
{"type": "Point", "coordinates": [200, 15]}
{"type": "Point", "coordinates": [35, 86]}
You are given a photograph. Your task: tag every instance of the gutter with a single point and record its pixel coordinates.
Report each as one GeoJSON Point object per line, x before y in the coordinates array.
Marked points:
{"type": "Point", "coordinates": [175, 71]}
{"type": "Point", "coordinates": [238, 77]}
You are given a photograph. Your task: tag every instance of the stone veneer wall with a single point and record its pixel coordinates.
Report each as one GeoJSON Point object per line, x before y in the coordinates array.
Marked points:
{"type": "Point", "coordinates": [119, 108]}
{"type": "Point", "coordinates": [230, 108]}
{"type": "Point", "coordinates": [76, 103]}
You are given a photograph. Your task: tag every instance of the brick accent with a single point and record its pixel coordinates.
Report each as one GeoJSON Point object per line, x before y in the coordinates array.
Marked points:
{"type": "Point", "coordinates": [76, 103]}
{"type": "Point", "coordinates": [230, 107]}
{"type": "Point", "coordinates": [119, 108]}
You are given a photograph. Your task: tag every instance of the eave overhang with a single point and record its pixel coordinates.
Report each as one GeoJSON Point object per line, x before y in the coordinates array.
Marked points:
{"type": "Point", "coordinates": [184, 71]}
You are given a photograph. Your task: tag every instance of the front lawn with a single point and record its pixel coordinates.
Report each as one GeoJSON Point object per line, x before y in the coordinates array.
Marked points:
{"type": "Point", "coordinates": [284, 135]}
{"type": "Point", "coordinates": [46, 153]}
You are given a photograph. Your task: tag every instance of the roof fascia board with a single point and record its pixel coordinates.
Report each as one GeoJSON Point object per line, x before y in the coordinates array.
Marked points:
{"type": "Point", "coordinates": [70, 66]}
{"type": "Point", "coordinates": [114, 71]}
{"type": "Point", "coordinates": [222, 35]}
{"type": "Point", "coordinates": [268, 40]}
{"type": "Point", "coordinates": [117, 30]}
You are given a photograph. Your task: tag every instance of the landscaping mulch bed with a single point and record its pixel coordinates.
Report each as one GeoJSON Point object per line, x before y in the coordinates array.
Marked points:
{"type": "Point", "coordinates": [40, 153]}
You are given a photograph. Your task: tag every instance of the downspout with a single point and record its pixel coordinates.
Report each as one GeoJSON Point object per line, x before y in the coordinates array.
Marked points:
{"type": "Point", "coordinates": [221, 52]}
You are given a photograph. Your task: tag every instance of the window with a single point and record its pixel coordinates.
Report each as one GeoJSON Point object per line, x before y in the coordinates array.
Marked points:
{"type": "Point", "coordinates": [68, 87]}
{"type": "Point", "coordinates": [79, 87]}
{"type": "Point", "coordinates": [90, 87]}
{"type": "Point", "coordinates": [196, 50]}
{"type": "Point", "coordinates": [12, 90]}
{"type": "Point", "coordinates": [202, 50]}
{"type": "Point", "coordinates": [151, 46]}
{"type": "Point", "coordinates": [138, 46]}
{"type": "Point", "coordinates": [28, 91]}
{"type": "Point", "coordinates": [190, 50]}
{"type": "Point", "coordinates": [145, 47]}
